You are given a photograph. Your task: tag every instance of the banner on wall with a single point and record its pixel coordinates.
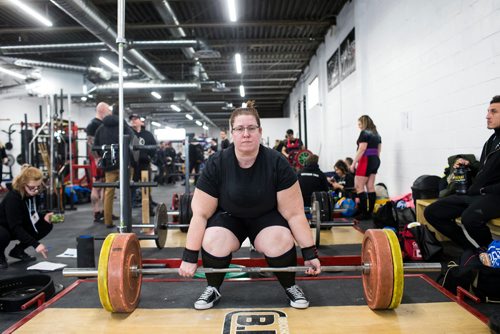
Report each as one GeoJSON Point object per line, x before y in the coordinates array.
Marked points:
{"type": "Point", "coordinates": [343, 61]}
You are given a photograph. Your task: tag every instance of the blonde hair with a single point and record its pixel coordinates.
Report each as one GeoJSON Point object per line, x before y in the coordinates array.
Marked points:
{"type": "Point", "coordinates": [248, 110]}
{"type": "Point", "coordinates": [367, 123]}
{"type": "Point", "coordinates": [1, 145]}
{"type": "Point", "coordinates": [28, 173]}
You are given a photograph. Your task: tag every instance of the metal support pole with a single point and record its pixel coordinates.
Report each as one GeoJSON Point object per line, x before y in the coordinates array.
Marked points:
{"type": "Point", "coordinates": [120, 41]}
{"type": "Point", "coordinates": [70, 141]}
{"type": "Point", "coordinates": [187, 189]}
{"type": "Point", "coordinates": [51, 168]}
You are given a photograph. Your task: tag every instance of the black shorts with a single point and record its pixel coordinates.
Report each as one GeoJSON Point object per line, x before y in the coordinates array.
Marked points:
{"type": "Point", "coordinates": [247, 227]}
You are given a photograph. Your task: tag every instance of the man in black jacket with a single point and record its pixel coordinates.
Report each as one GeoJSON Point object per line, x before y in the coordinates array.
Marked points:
{"type": "Point", "coordinates": [481, 202]}
{"type": "Point", "coordinates": [145, 155]}
{"type": "Point", "coordinates": [107, 134]}
{"type": "Point", "coordinates": [311, 179]}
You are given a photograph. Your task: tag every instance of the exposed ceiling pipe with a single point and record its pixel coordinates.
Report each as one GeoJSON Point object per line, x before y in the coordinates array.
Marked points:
{"type": "Point", "coordinates": [168, 16]}
{"type": "Point", "coordinates": [170, 86]}
{"type": "Point", "coordinates": [96, 46]}
{"type": "Point", "coordinates": [186, 104]}
{"type": "Point", "coordinates": [85, 13]}
{"type": "Point", "coordinates": [84, 69]}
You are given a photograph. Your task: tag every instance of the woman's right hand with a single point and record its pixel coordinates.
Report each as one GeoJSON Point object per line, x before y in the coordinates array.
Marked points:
{"type": "Point", "coordinates": [187, 269]}
{"type": "Point", "coordinates": [41, 249]}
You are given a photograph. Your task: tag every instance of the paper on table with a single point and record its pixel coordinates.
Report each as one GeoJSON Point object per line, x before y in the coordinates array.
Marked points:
{"type": "Point", "coordinates": [70, 252]}
{"type": "Point", "coordinates": [47, 266]}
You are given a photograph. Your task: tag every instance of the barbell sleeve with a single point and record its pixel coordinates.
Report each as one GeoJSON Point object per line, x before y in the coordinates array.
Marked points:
{"type": "Point", "coordinates": [167, 226]}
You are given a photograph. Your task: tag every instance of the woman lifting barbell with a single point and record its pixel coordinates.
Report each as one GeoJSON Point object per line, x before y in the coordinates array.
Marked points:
{"type": "Point", "coordinates": [249, 191]}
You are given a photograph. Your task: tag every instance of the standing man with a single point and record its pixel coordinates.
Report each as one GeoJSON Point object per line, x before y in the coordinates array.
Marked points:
{"type": "Point", "coordinates": [108, 134]}
{"type": "Point", "coordinates": [97, 195]}
{"type": "Point", "coordinates": [224, 142]}
{"type": "Point", "coordinates": [480, 203]}
{"type": "Point", "coordinates": [145, 155]}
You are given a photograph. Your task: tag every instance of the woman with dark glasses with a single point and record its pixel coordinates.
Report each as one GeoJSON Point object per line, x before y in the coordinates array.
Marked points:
{"type": "Point", "coordinates": [20, 218]}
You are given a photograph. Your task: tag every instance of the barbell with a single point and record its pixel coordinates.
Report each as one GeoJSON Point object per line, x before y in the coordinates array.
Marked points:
{"type": "Point", "coordinates": [119, 272]}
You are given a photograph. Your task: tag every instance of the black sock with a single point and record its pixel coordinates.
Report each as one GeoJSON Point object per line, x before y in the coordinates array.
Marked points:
{"type": "Point", "coordinates": [210, 261]}
{"type": "Point", "coordinates": [362, 209]}
{"type": "Point", "coordinates": [372, 197]}
{"type": "Point", "coordinates": [289, 259]}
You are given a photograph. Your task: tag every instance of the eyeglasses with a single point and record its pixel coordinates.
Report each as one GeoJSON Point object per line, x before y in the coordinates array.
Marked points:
{"type": "Point", "coordinates": [241, 129]}
{"type": "Point", "coordinates": [34, 188]}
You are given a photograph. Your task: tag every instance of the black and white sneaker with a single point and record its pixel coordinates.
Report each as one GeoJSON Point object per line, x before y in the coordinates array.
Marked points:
{"type": "Point", "coordinates": [208, 298]}
{"type": "Point", "coordinates": [297, 297]}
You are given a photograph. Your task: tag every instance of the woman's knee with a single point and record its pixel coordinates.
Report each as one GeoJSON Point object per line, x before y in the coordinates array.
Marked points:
{"type": "Point", "coordinates": [274, 241]}
{"type": "Point", "coordinates": [219, 241]}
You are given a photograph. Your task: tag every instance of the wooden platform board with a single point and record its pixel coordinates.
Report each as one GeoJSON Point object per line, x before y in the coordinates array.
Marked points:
{"type": "Point", "coordinates": [410, 318]}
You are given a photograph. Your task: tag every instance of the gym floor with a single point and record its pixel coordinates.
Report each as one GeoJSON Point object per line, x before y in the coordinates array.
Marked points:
{"type": "Point", "coordinates": [337, 301]}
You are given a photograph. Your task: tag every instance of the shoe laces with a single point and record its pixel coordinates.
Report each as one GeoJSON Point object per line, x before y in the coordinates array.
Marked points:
{"type": "Point", "coordinates": [296, 292]}
{"type": "Point", "coordinates": [208, 291]}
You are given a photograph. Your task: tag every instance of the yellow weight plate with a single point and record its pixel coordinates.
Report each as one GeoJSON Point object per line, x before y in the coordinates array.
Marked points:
{"type": "Point", "coordinates": [397, 261]}
{"type": "Point", "coordinates": [102, 272]}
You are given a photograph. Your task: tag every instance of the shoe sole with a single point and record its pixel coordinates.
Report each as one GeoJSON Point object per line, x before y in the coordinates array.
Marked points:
{"type": "Point", "coordinates": [299, 305]}
{"type": "Point", "coordinates": [206, 306]}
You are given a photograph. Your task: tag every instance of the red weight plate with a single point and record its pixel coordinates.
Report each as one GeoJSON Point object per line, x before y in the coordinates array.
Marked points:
{"type": "Point", "coordinates": [378, 283]}
{"type": "Point", "coordinates": [124, 286]}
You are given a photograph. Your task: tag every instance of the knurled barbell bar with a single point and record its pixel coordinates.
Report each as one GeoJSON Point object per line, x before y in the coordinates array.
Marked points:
{"type": "Point", "coordinates": [119, 272]}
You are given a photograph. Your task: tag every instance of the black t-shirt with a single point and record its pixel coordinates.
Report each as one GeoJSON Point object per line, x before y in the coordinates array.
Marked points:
{"type": "Point", "coordinates": [246, 192]}
{"type": "Point", "coordinates": [367, 136]}
{"type": "Point", "coordinates": [311, 179]}
{"type": "Point", "coordinates": [224, 144]}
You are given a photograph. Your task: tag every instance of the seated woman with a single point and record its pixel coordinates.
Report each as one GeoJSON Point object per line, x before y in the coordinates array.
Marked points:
{"type": "Point", "coordinates": [248, 190]}
{"type": "Point", "coordinates": [344, 180]}
{"type": "Point", "coordinates": [311, 179]}
{"type": "Point", "coordinates": [19, 218]}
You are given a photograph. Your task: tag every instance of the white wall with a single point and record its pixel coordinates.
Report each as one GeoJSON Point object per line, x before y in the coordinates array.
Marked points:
{"type": "Point", "coordinates": [425, 72]}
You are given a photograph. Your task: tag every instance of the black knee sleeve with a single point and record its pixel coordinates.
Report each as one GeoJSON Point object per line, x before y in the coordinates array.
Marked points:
{"type": "Point", "coordinates": [372, 197]}
{"type": "Point", "coordinates": [288, 259]}
{"type": "Point", "coordinates": [210, 261]}
{"type": "Point", "coordinates": [362, 208]}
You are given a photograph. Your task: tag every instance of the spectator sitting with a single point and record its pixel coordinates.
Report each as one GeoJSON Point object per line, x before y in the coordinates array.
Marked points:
{"type": "Point", "coordinates": [311, 179]}
{"type": "Point", "coordinates": [343, 179]}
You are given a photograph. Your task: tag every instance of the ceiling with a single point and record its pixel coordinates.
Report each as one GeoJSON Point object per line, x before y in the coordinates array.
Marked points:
{"type": "Point", "coordinates": [186, 47]}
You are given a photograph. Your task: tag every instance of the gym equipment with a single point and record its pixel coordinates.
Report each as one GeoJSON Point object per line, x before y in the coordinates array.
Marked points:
{"type": "Point", "coordinates": [120, 271]}
{"type": "Point", "coordinates": [17, 291]}
{"type": "Point", "coordinates": [321, 214]}
{"type": "Point", "coordinates": [347, 205]}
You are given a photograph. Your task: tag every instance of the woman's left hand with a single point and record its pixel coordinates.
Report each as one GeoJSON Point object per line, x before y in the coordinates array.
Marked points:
{"type": "Point", "coordinates": [48, 216]}
{"type": "Point", "coordinates": [315, 267]}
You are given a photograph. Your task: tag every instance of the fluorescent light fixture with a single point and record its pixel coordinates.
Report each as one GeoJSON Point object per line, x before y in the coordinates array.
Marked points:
{"type": "Point", "coordinates": [231, 6]}
{"type": "Point", "coordinates": [13, 73]}
{"type": "Point", "coordinates": [156, 95]}
{"type": "Point", "coordinates": [237, 61]}
{"type": "Point", "coordinates": [205, 127]}
{"type": "Point", "coordinates": [84, 89]}
{"type": "Point", "coordinates": [242, 91]}
{"type": "Point", "coordinates": [155, 124]}
{"type": "Point", "coordinates": [83, 98]}
{"type": "Point", "coordinates": [199, 123]}
{"type": "Point", "coordinates": [174, 107]}
{"type": "Point", "coordinates": [111, 65]}
{"type": "Point", "coordinates": [189, 117]}
{"type": "Point", "coordinates": [32, 12]}
{"type": "Point", "coordinates": [243, 104]}
{"type": "Point", "coordinates": [169, 133]}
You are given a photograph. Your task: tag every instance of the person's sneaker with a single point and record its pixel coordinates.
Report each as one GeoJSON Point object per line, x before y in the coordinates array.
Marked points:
{"type": "Point", "coordinates": [3, 261]}
{"type": "Point", "coordinates": [113, 217]}
{"type": "Point", "coordinates": [110, 225]}
{"type": "Point", "coordinates": [18, 253]}
{"type": "Point", "coordinates": [208, 298]}
{"type": "Point", "coordinates": [297, 297]}
{"type": "Point", "coordinates": [98, 217]}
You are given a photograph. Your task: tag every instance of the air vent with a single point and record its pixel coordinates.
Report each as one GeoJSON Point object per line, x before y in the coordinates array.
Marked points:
{"type": "Point", "coordinates": [207, 54]}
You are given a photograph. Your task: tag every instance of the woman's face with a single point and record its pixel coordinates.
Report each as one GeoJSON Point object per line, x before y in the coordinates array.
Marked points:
{"type": "Point", "coordinates": [339, 171]}
{"type": "Point", "coordinates": [33, 187]}
{"type": "Point", "coordinates": [246, 134]}
{"type": "Point", "coordinates": [360, 125]}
